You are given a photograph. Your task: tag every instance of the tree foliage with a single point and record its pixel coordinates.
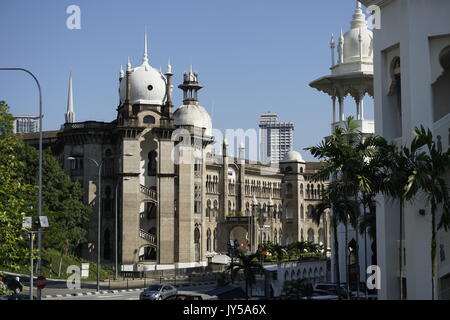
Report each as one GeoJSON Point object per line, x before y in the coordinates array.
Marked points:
{"type": "Point", "coordinates": [62, 199]}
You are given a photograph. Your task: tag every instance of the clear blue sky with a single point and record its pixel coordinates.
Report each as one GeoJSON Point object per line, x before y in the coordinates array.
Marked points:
{"type": "Point", "coordinates": [252, 56]}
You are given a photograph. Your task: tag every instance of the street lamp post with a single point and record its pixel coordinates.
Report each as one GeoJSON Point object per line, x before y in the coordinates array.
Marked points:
{"type": "Point", "coordinates": [116, 223]}
{"type": "Point", "coordinates": [39, 293]}
{"type": "Point", "coordinates": [254, 205]}
{"type": "Point", "coordinates": [99, 196]}
{"type": "Point", "coordinates": [99, 199]}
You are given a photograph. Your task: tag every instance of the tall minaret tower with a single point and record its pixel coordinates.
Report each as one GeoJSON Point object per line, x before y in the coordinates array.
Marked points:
{"type": "Point", "coordinates": [70, 114]}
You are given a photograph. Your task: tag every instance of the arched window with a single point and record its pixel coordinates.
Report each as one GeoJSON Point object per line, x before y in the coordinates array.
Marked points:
{"type": "Point", "coordinates": [197, 244]}
{"type": "Point", "coordinates": [289, 189]}
{"type": "Point", "coordinates": [151, 166]}
{"type": "Point", "coordinates": [208, 240]}
{"type": "Point", "coordinates": [321, 236]}
{"type": "Point", "coordinates": [275, 236]}
{"type": "Point", "coordinates": [149, 120]}
{"type": "Point", "coordinates": [311, 235]}
{"type": "Point", "coordinates": [216, 209]}
{"type": "Point", "coordinates": [107, 201]}
{"type": "Point", "coordinates": [215, 240]}
{"type": "Point", "coordinates": [302, 213]}
{"type": "Point", "coordinates": [208, 208]}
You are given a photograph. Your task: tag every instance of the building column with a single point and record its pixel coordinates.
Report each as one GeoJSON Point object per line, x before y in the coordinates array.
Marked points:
{"type": "Point", "coordinates": [334, 108]}
{"type": "Point", "coordinates": [341, 109]}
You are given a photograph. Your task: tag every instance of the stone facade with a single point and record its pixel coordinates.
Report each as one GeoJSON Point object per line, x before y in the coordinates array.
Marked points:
{"type": "Point", "coordinates": [176, 201]}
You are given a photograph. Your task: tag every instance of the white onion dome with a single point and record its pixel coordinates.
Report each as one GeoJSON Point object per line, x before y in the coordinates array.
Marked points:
{"type": "Point", "coordinates": [147, 86]}
{"type": "Point", "coordinates": [193, 115]}
{"type": "Point", "coordinates": [358, 31]}
{"type": "Point", "coordinates": [293, 156]}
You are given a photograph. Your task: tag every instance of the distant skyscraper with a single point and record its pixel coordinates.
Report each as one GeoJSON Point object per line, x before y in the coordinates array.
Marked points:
{"type": "Point", "coordinates": [275, 138]}
{"type": "Point", "coordinates": [25, 124]}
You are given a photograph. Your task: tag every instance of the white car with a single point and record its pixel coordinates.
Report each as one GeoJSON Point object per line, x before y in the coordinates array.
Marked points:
{"type": "Point", "coordinates": [158, 292]}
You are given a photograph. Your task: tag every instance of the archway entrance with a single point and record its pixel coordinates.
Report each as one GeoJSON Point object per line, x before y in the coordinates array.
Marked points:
{"type": "Point", "coordinates": [240, 234]}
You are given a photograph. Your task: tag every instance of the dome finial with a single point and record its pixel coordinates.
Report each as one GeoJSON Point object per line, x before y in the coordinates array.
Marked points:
{"type": "Point", "coordinates": [122, 73]}
{"type": "Point", "coordinates": [129, 64]}
{"type": "Point", "coordinates": [169, 67]}
{"type": "Point", "coordinates": [145, 57]}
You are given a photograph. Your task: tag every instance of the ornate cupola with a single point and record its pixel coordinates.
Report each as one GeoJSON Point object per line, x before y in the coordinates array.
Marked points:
{"type": "Point", "coordinates": [190, 87]}
{"type": "Point", "coordinates": [191, 113]}
{"type": "Point", "coordinates": [352, 74]}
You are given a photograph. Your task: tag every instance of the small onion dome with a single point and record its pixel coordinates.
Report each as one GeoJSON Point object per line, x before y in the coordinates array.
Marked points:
{"type": "Point", "coordinates": [293, 156]}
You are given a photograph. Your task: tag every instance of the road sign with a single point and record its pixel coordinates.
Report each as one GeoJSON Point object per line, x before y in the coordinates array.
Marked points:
{"type": "Point", "coordinates": [43, 220]}
{"type": "Point", "coordinates": [41, 282]}
{"type": "Point", "coordinates": [27, 222]}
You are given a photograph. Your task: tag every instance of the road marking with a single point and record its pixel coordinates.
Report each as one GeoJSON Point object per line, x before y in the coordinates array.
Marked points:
{"type": "Point", "coordinates": [115, 296]}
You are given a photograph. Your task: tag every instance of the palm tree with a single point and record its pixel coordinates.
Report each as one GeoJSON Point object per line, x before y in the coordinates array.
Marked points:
{"type": "Point", "coordinates": [249, 265]}
{"type": "Point", "coordinates": [344, 158]}
{"type": "Point", "coordinates": [427, 177]}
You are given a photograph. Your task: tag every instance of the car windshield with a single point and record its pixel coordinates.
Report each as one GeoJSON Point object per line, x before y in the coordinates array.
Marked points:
{"type": "Point", "coordinates": [154, 288]}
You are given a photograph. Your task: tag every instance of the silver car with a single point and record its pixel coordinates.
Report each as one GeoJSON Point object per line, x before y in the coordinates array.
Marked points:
{"type": "Point", "coordinates": [158, 292]}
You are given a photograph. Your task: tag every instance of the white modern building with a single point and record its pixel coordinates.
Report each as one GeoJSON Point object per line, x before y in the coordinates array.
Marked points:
{"type": "Point", "coordinates": [26, 124]}
{"type": "Point", "coordinates": [351, 75]}
{"type": "Point", "coordinates": [275, 138]}
{"type": "Point", "coordinates": [411, 88]}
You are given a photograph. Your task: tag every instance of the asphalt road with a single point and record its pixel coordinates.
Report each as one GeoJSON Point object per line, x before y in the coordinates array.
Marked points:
{"type": "Point", "coordinates": [134, 295]}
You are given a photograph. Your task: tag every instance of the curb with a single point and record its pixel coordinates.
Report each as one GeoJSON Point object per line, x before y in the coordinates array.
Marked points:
{"type": "Point", "coordinates": [90, 293]}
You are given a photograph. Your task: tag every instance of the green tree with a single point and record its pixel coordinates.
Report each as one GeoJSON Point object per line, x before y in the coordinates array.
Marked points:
{"type": "Point", "coordinates": [6, 119]}
{"type": "Point", "coordinates": [14, 192]}
{"type": "Point", "coordinates": [62, 202]}
{"type": "Point", "coordinates": [427, 178]}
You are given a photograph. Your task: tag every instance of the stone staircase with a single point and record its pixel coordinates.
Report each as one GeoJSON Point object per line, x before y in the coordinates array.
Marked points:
{"type": "Point", "coordinates": [149, 194]}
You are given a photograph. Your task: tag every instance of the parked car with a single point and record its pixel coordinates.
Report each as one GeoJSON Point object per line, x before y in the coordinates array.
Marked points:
{"type": "Point", "coordinates": [332, 289]}
{"type": "Point", "coordinates": [158, 292]}
{"type": "Point", "coordinates": [184, 297]}
{"type": "Point", "coordinates": [13, 284]}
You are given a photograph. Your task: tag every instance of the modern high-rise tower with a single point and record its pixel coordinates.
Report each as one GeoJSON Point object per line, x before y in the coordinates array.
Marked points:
{"type": "Point", "coordinates": [275, 138]}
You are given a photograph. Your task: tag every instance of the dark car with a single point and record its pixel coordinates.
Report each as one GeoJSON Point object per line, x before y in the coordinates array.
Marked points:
{"type": "Point", "coordinates": [13, 284]}
{"type": "Point", "coordinates": [184, 297]}
{"type": "Point", "coordinates": [158, 292]}
{"type": "Point", "coordinates": [332, 289]}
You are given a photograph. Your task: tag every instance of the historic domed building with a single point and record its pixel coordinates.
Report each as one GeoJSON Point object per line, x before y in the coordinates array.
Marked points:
{"type": "Point", "coordinates": [177, 203]}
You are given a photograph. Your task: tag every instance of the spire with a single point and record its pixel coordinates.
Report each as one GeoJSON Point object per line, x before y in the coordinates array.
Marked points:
{"type": "Point", "coordinates": [241, 150]}
{"type": "Point", "coordinates": [145, 57]}
{"type": "Point", "coordinates": [359, 18]}
{"type": "Point", "coordinates": [225, 147]}
{"type": "Point", "coordinates": [341, 47]}
{"type": "Point", "coordinates": [332, 47]}
{"type": "Point", "coordinates": [129, 64]}
{"type": "Point", "coordinates": [169, 67]}
{"type": "Point", "coordinates": [122, 73]}
{"type": "Point", "coordinates": [70, 115]}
